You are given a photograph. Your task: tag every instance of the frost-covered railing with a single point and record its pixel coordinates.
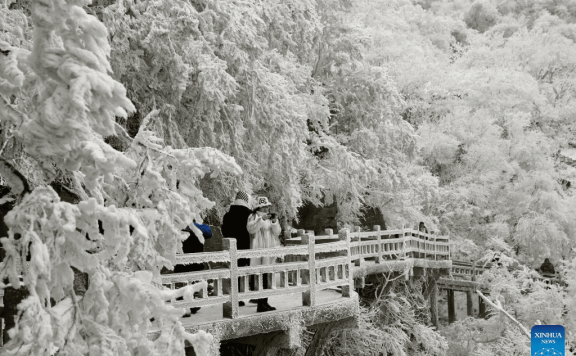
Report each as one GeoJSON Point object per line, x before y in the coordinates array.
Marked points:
{"type": "Point", "coordinates": [390, 244]}
{"type": "Point", "coordinates": [232, 284]}
{"type": "Point", "coordinates": [470, 270]}
{"type": "Point", "coordinates": [310, 263]}
{"type": "Point", "coordinates": [398, 244]}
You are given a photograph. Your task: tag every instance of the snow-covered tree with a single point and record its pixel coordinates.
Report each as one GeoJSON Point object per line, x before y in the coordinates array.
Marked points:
{"type": "Point", "coordinates": [59, 102]}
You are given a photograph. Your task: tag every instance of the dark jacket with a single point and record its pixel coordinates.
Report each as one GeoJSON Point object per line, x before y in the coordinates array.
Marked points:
{"type": "Point", "coordinates": [547, 267]}
{"type": "Point", "coordinates": [234, 225]}
{"type": "Point", "coordinates": [193, 245]}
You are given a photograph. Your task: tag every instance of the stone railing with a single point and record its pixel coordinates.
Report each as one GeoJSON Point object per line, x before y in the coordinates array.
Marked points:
{"type": "Point", "coordinates": [330, 258]}
{"type": "Point", "coordinates": [470, 271]}
{"type": "Point", "coordinates": [398, 244]}
{"type": "Point", "coordinates": [232, 284]}
{"type": "Point", "coordinates": [394, 244]}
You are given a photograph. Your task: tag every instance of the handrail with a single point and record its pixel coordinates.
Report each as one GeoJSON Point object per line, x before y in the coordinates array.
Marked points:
{"type": "Point", "coordinates": [466, 269]}
{"type": "Point", "coordinates": [312, 269]}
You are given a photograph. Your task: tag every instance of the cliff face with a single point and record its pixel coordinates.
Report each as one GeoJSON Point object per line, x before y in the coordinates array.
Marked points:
{"type": "Point", "coordinates": [315, 218]}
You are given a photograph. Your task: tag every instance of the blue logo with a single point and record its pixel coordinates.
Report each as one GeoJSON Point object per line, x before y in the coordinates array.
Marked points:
{"type": "Point", "coordinates": [548, 340]}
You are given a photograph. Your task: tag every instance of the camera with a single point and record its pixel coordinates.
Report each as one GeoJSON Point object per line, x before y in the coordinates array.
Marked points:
{"type": "Point", "coordinates": [272, 216]}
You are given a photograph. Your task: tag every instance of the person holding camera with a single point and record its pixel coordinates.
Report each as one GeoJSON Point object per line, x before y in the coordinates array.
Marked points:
{"type": "Point", "coordinates": [264, 230]}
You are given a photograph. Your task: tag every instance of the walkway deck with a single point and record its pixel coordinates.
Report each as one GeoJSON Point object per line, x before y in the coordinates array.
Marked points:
{"type": "Point", "coordinates": [290, 311]}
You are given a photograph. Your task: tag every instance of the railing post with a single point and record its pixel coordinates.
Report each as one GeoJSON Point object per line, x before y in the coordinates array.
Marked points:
{"type": "Point", "coordinates": [309, 296]}
{"type": "Point", "coordinates": [426, 244]}
{"type": "Point", "coordinates": [347, 289]}
{"type": "Point", "coordinates": [435, 246]}
{"type": "Point", "coordinates": [230, 308]}
{"type": "Point", "coordinates": [376, 229]}
{"type": "Point", "coordinates": [404, 254]}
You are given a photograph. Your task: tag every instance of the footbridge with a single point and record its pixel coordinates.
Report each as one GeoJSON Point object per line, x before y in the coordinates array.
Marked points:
{"type": "Point", "coordinates": [312, 285]}
{"type": "Point", "coordinates": [464, 279]}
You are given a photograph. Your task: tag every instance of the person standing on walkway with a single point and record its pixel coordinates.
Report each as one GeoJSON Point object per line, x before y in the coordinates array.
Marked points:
{"type": "Point", "coordinates": [234, 225]}
{"type": "Point", "coordinates": [193, 245]}
{"type": "Point", "coordinates": [547, 267]}
{"type": "Point", "coordinates": [264, 230]}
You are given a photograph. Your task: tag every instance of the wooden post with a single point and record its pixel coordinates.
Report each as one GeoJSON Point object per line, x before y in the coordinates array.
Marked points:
{"type": "Point", "coordinates": [376, 229]}
{"type": "Point", "coordinates": [481, 307]}
{"type": "Point", "coordinates": [231, 307]}
{"type": "Point", "coordinates": [434, 304]}
{"type": "Point", "coordinates": [469, 304]}
{"type": "Point", "coordinates": [451, 309]}
{"type": "Point", "coordinates": [309, 296]}
{"type": "Point", "coordinates": [347, 289]}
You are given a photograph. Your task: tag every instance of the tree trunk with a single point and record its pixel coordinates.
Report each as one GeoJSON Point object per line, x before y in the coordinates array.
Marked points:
{"type": "Point", "coordinates": [434, 305]}
{"type": "Point", "coordinates": [451, 309]}
{"type": "Point", "coordinates": [469, 304]}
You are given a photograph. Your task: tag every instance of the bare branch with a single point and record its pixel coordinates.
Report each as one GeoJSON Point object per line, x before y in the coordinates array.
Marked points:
{"type": "Point", "coordinates": [499, 308]}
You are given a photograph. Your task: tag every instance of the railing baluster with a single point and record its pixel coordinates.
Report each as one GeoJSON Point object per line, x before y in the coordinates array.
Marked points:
{"type": "Point", "coordinates": [241, 284]}
{"type": "Point", "coordinates": [202, 293]}
{"type": "Point", "coordinates": [283, 279]}
{"type": "Point", "coordinates": [230, 308]}
{"type": "Point", "coordinates": [271, 280]}
{"type": "Point", "coordinates": [258, 282]}
{"type": "Point", "coordinates": [309, 296]}
{"type": "Point", "coordinates": [246, 282]}
{"type": "Point", "coordinates": [378, 243]}
{"type": "Point", "coordinates": [218, 287]}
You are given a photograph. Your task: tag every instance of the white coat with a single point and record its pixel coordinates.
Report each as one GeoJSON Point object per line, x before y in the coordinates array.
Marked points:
{"type": "Point", "coordinates": [263, 234]}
